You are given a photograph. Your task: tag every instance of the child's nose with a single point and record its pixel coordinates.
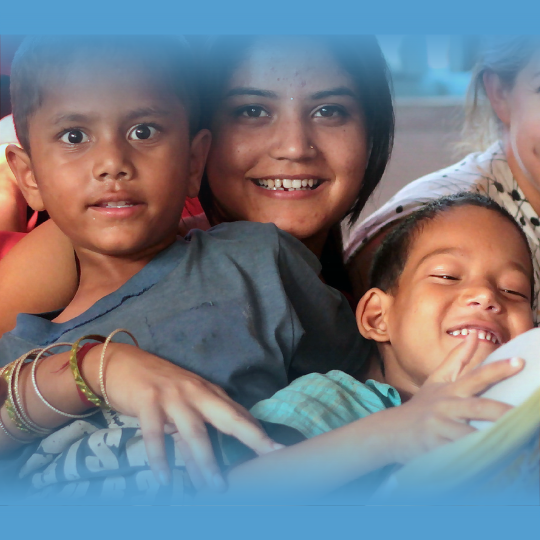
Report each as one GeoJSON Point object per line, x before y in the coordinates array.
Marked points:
{"type": "Point", "coordinates": [113, 162]}
{"type": "Point", "coordinates": [484, 298]}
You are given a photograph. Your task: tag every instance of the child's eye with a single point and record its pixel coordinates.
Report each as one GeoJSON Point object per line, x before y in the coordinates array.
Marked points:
{"type": "Point", "coordinates": [142, 132]}
{"type": "Point", "coordinates": [253, 111]}
{"type": "Point", "coordinates": [329, 111]}
{"type": "Point", "coordinates": [445, 277]}
{"type": "Point", "coordinates": [74, 136]}
{"type": "Point", "coordinates": [515, 293]}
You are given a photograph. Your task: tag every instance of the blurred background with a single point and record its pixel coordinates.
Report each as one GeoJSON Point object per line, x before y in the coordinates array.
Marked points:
{"type": "Point", "coordinates": [430, 73]}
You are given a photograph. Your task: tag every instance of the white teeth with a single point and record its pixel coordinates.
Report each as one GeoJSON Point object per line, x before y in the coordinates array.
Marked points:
{"type": "Point", "coordinates": [288, 184]}
{"type": "Point", "coordinates": [117, 204]}
{"type": "Point", "coordinates": [482, 334]}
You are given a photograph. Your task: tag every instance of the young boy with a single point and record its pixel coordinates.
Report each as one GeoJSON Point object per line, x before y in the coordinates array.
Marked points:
{"type": "Point", "coordinates": [451, 284]}
{"type": "Point", "coordinates": [111, 149]}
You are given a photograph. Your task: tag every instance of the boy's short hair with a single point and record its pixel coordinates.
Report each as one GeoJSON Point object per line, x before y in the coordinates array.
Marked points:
{"type": "Point", "coordinates": [392, 255]}
{"type": "Point", "coordinates": [42, 59]}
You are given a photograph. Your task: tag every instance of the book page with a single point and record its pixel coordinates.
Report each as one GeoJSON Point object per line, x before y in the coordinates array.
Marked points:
{"type": "Point", "coordinates": [518, 388]}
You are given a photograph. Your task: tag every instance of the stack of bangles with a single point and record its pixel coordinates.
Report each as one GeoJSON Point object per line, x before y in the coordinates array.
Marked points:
{"type": "Point", "coordinates": [14, 406]}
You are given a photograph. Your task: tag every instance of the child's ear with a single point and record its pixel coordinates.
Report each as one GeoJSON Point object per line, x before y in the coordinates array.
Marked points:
{"type": "Point", "coordinates": [497, 93]}
{"type": "Point", "coordinates": [200, 146]}
{"type": "Point", "coordinates": [21, 166]}
{"type": "Point", "coordinates": [372, 315]}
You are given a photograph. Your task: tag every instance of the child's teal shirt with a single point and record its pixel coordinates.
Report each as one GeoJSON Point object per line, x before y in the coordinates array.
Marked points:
{"type": "Point", "coordinates": [318, 403]}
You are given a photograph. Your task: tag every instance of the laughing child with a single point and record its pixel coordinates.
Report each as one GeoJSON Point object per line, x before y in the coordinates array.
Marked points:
{"type": "Point", "coordinates": [451, 284]}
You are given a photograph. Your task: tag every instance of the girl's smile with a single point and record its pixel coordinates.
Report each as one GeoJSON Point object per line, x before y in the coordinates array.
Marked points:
{"type": "Point", "coordinates": [289, 142]}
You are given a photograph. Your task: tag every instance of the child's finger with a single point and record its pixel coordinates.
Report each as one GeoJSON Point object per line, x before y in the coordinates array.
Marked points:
{"type": "Point", "coordinates": [475, 408]}
{"type": "Point", "coordinates": [151, 422]}
{"type": "Point", "coordinates": [452, 430]}
{"type": "Point", "coordinates": [196, 444]}
{"type": "Point", "coordinates": [233, 419]}
{"type": "Point", "coordinates": [453, 365]}
{"type": "Point", "coordinates": [481, 378]}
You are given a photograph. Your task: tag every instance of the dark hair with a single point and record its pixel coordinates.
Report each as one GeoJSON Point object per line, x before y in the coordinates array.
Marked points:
{"type": "Point", "coordinates": [505, 56]}
{"type": "Point", "coordinates": [392, 255]}
{"type": "Point", "coordinates": [5, 103]}
{"type": "Point", "coordinates": [42, 59]}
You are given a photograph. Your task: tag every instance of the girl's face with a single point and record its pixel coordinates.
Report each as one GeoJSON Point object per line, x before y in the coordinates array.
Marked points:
{"type": "Point", "coordinates": [519, 110]}
{"type": "Point", "coordinates": [289, 145]}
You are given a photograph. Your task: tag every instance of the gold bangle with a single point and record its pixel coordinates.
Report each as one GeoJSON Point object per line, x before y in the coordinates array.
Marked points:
{"type": "Point", "coordinates": [38, 431]}
{"type": "Point", "coordinates": [102, 361]}
{"type": "Point", "coordinates": [10, 405]}
{"type": "Point", "coordinates": [2, 426]}
{"type": "Point", "coordinates": [10, 435]}
{"type": "Point", "coordinates": [79, 381]}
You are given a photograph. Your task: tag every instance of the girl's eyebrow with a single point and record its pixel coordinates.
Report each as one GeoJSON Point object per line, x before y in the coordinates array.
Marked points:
{"type": "Point", "coordinates": [339, 91]}
{"type": "Point", "coordinates": [249, 91]}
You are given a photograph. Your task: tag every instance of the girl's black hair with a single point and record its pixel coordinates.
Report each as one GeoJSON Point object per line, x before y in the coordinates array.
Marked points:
{"type": "Point", "coordinates": [363, 60]}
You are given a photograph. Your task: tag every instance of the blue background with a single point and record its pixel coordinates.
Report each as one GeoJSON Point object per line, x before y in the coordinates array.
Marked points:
{"type": "Point", "coordinates": [268, 17]}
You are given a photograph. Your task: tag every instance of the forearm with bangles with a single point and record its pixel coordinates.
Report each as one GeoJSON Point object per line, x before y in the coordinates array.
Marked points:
{"type": "Point", "coordinates": [56, 384]}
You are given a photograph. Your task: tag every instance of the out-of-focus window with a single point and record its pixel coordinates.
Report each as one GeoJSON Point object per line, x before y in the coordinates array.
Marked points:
{"type": "Point", "coordinates": [430, 65]}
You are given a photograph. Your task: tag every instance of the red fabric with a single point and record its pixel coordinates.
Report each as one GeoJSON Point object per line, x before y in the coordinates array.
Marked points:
{"type": "Point", "coordinates": [8, 239]}
{"type": "Point", "coordinates": [32, 222]}
{"type": "Point", "coordinates": [192, 208]}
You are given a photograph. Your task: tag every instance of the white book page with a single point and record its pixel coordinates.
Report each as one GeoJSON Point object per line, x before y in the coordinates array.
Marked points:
{"type": "Point", "coordinates": [518, 388]}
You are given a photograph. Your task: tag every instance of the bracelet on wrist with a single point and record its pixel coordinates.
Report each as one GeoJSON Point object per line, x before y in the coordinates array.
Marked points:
{"type": "Point", "coordinates": [84, 389]}
{"type": "Point", "coordinates": [102, 362]}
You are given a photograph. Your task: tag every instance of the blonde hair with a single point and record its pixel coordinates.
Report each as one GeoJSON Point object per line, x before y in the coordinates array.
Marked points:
{"type": "Point", "coordinates": [505, 57]}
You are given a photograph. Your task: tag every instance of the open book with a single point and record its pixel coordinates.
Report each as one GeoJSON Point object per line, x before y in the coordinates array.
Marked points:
{"type": "Point", "coordinates": [497, 464]}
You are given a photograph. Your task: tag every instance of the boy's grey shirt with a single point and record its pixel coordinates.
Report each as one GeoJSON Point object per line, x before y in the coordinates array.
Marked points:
{"type": "Point", "coordinates": [240, 305]}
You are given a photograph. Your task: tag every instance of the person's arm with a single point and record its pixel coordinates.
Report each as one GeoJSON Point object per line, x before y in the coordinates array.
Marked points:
{"type": "Point", "coordinates": [39, 274]}
{"type": "Point", "coordinates": [160, 394]}
{"type": "Point", "coordinates": [436, 415]}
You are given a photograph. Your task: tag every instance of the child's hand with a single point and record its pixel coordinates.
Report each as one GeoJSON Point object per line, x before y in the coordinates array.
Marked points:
{"type": "Point", "coordinates": [438, 413]}
{"type": "Point", "coordinates": [167, 398]}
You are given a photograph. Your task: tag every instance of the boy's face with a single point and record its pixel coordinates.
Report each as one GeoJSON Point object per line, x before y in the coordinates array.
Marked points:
{"type": "Point", "coordinates": [111, 159]}
{"type": "Point", "coordinates": [468, 271]}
